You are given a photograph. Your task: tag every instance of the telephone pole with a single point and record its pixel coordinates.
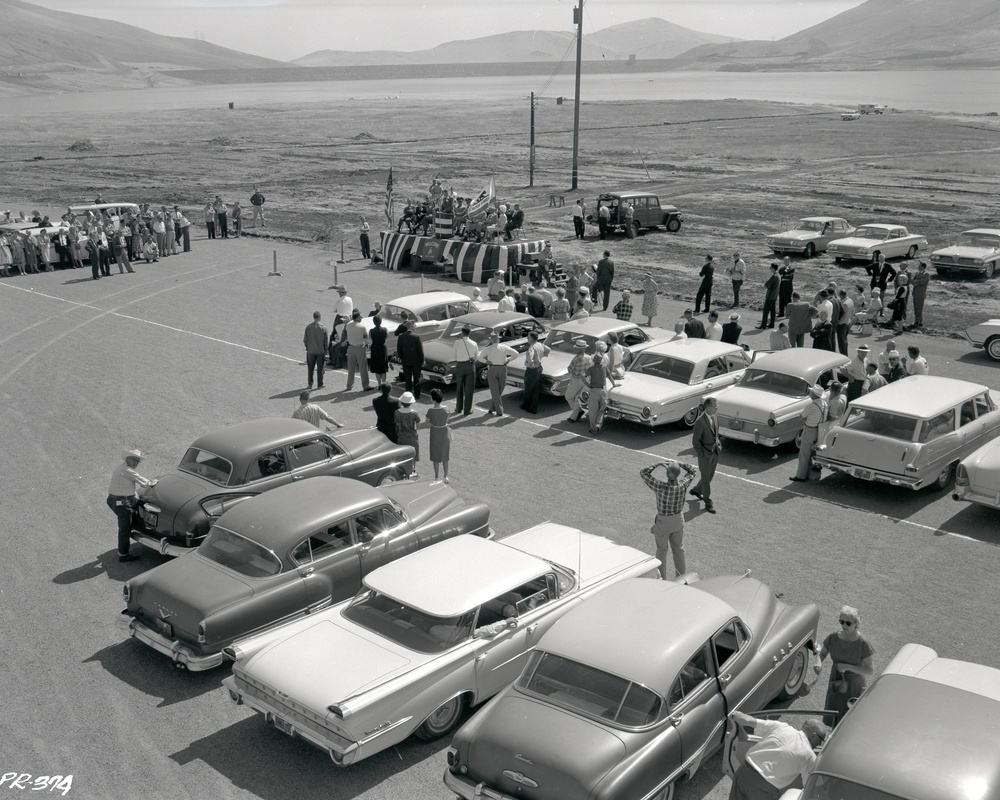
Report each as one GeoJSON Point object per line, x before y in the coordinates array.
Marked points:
{"type": "Point", "coordinates": [578, 19]}
{"type": "Point", "coordinates": [531, 153]}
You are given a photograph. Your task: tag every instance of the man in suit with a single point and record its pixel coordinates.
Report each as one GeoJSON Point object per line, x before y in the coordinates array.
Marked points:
{"type": "Point", "coordinates": [731, 330]}
{"type": "Point", "coordinates": [693, 327]}
{"type": "Point", "coordinates": [770, 297]}
{"type": "Point", "coordinates": [707, 446]}
{"type": "Point", "coordinates": [881, 273]}
{"type": "Point", "coordinates": [605, 275]}
{"type": "Point", "coordinates": [410, 350]}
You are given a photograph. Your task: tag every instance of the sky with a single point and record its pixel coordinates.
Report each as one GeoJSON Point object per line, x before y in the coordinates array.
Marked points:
{"type": "Point", "coordinates": [287, 29]}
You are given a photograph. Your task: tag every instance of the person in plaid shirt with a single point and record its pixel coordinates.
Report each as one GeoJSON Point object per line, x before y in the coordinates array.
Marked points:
{"type": "Point", "coordinates": [668, 527]}
{"type": "Point", "coordinates": [623, 308]}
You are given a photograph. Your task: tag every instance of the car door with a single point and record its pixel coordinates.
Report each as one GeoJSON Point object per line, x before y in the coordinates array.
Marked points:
{"type": "Point", "coordinates": [733, 660]}
{"type": "Point", "coordinates": [317, 455]}
{"type": "Point", "coordinates": [940, 438]}
{"type": "Point", "coordinates": [383, 536]}
{"type": "Point", "coordinates": [654, 214]}
{"type": "Point", "coordinates": [329, 564]}
{"type": "Point", "coordinates": [697, 707]}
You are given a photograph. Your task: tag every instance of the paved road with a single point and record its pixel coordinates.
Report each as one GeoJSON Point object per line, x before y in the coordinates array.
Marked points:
{"type": "Point", "coordinates": [198, 341]}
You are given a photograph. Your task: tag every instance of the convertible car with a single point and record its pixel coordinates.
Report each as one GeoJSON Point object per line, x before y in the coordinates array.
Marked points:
{"type": "Point", "coordinates": [286, 554]}
{"type": "Point", "coordinates": [427, 635]}
{"type": "Point", "coordinates": [810, 236]}
{"type": "Point", "coordinates": [630, 692]}
{"type": "Point", "coordinates": [226, 467]}
{"type": "Point", "coordinates": [869, 241]}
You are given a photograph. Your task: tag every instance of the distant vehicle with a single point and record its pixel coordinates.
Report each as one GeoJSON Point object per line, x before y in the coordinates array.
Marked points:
{"type": "Point", "coordinates": [976, 251]}
{"type": "Point", "coordinates": [870, 108]}
{"type": "Point", "coordinates": [873, 239]}
{"type": "Point", "coordinates": [850, 115]}
{"type": "Point", "coordinates": [810, 235]}
{"type": "Point", "coordinates": [986, 336]}
{"type": "Point", "coordinates": [646, 212]}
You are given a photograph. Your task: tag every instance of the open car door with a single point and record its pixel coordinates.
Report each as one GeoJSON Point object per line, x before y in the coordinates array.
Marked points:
{"type": "Point", "coordinates": [738, 741]}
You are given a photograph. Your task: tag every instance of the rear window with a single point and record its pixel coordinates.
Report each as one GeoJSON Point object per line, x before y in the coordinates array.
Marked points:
{"type": "Point", "coordinates": [565, 341]}
{"type": "Point", "coordinates": [661, 366]}
{"type": "Point", "coordinates": [408, 626]}
{"type": "Point", "coordinates": [206, 465]}
{"type": "Point", "coordinates": [589, 691]}
{"type": "Point", "coordinates": [235, 552]}
{"type": "Point", "coordinates": [882, 423]}
{"type": "Point", "coordinates": [776, 382]}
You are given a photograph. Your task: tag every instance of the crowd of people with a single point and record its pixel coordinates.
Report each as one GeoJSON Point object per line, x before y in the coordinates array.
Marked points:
{"type": "Point", "coordinates": [465, 218]}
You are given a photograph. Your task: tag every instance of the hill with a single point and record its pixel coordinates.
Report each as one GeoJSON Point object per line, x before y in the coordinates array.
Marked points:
{"type": "Point", "coordinates": [652, 38]}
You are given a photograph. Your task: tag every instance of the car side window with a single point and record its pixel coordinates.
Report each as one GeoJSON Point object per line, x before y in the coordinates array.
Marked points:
{"type": "Point", "coordinates": [938, 426]}
{"type": "Point", "coordinates": [825, 379]}
{"type": "Point", "coordinates": [736, 361]}
{"type": "Point", "coordinates": [522, 600]}
{"type": "Point", "coordinates": [968, 412]}
{"type": "Point", "coordinates": [716, 367]}
{"type": "Point", "coordinates": [983, 405]}
{"type": "Point", "coordinates": [654, 202]}
{"type": "Point", "coordinates": [692, 676]}
{"type": "Point", "coordinates": [373, 523]}
{"type": "Point", "coordinates": [435, 314]}
{"type": "Point", "coordinates": [267, 464]}
{"type": "Point", "coordinates": [728, 642]}
{"type": "Point", "coordinates": [632, 337]}
{"type": "Point", "coordinates": [310, 452]}
{"type": "Point", "coordinates": [458, 309]}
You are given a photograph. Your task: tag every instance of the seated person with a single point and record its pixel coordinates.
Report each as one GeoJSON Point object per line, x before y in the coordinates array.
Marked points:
{"type": "Point", "coordinates": [508, 620]}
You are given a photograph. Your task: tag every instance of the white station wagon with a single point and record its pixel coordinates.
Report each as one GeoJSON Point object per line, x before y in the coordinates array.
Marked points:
{"type": "Point", "coordinates": [428, 635]}
{"type": "Point", "coordinates": [869, 241]}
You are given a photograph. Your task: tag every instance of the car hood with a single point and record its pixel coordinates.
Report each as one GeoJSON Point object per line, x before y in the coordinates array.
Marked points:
{"type": "Point", "coordinates": [754, 404]}
{"type": "Point", "coordinates": [965, 251]}
{"type": "Point", "coordinates": [186, 590]}
{"type": "Point", "coordinates": [644, 389]}
{"type": "Point", "coordinates": [799, 236]}
{"type": "Point", "coordinates": [983, 467]}
{"type": "Point", "coordinates": [527, 739]}
{"type": "Point", "coordinates": [857, 241]}
{"type": "Point", "coordinates": [326, 663]}
{"type": "Point", "coordinates": [868, 450]}
{"type": "Point", "coordinates": [422, 502]}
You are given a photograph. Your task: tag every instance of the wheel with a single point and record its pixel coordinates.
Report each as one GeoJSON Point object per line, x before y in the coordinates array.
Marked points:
{"type": "Point", "coordinates": [993, 347]}
{"type": "Point", "coordinates": [836, 259]}
{"type": "Point", "coordinates": [688, 420]}
{"type": "Point", "coordinates": [443, 721]}
{"type": "Point", "coordinates": [797, 442]}
{"type": "Point", "coordinates": [635, 229]}
{"type": "Point", "coordinates": [673, 224]}
{"type": "Point", "coordinates": [482, 376]}
{"type": "Point", "coordinates": [943, 481]}
{"type": "Point", "coordinates": [912, 251]}
{"type": "Point", "coordinates": [796, 674]}
{"type": "Point", "coordinates": [942, 271]}
{"type": "Point", "coordinates": [988, 270]}
{"type": "Point", "coordinates": [390, 477]}
{"type": "Point", "coordinates": [810, 250]}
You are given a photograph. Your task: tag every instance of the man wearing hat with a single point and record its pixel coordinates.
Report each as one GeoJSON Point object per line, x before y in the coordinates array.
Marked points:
{"type": "Point", "coordinates": [578, 368]}
{"type": "Point", "coordinates": [410, 350]}
{"type": "Point", "coordinates": [464, 352]}
{"type": "Point", "coordinates": [121, 499]}
{"type": "Point", "coordinates": [814, 416]}
{"type": "Point", "coordinates": [731, 330]}
{"type": "Point", "coordinates": [344, 308]}
{"type": "Point", "coordinates": [376, 309]}
{"type": "Point", "coordinates": [857, 371]}
{"type": "Point", "coordinates": [497, 356]}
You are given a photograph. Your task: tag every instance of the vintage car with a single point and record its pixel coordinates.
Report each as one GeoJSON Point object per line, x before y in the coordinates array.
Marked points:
{"type": "Point", "coordinates": [227, 466]}
{"type": "Point", "coordinates": [562, 340]}
{"type": "Point", "coordinates": [810, 235]}
{"type": "Point", "coordinates": [977, 477]}
{"type": "Point", "coordinates": [667, 382]}
{"type": "Point", "coordinates": [112, 212]}
{"type": "Point", "coordinates": [912, 432]}
{"type": "Point", "coordinates": [873, 239]}
{"type": "Point", "coordinates": [629, 693]}
{"type": "Point", "coordinates": [976, 251]}
{"type": "Point", "coordinates": [427, 635]}
{"type": "Point", "coordinates": [986, 336]}
{"type": "Point", "coordinates": [924, 730]}
{"type": "Point", "coordinates": [646, 212]}
{"type": "Point", "coordinates": [765, 406]}
{"type": "Point", "coordinates": [513, 327]}
{"type": "Point", "coordinates": [284, 555]}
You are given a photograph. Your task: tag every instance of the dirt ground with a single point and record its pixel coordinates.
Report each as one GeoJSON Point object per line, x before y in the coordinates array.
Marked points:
{"type": "Point", "coordinates": [738, 170]}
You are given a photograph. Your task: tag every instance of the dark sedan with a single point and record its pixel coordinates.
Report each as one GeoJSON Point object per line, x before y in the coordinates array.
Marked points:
{"type": "Point", "coordinates": [228, 466]}
{"type": "Point", "coordinates": [283, 555]}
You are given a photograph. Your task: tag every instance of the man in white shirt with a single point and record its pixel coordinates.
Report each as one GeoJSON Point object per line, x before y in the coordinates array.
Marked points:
{"type": "Point", "coordinates": [916, 364]}
{"type": "Point", "coordinates": [782, 755]}
{"type": "Point", "coordinates": [357, 357]}
{"type": "Point", "coordinates": [464, 351]}
{"type": "Point", "coordinates": [344, 308]}
{"type": "Point", "coordinates": [679, 334]}
{"type": "Point", "coordinates": [507, 301]}
{"type": "Point", "coordinates": [312, 413]}
{"type": "Point", "coordinates": [497, 356]}
{"type": "Point", "coordinates": [737, 274]}
{"type": "Point", "coordinates": [713, 330]}
{"type": "Point", "coordinates": [779, 337]}
{"type": "Point", "coordinates": [578, 223]}
{"type": "Point", "coordinates": [121, 499]}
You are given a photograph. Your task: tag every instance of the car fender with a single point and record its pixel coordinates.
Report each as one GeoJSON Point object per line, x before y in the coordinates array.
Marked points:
{"type": "Point", "coordinates": [653, 763]}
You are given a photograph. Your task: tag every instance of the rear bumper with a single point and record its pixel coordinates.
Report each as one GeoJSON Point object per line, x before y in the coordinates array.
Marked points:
{"type": "Point", "coordinates": [179, 653]}
{"type": "Point", "coordinates": [164, 546]}
{"type": "Point", "coordinates": [872, 475]}
{"type": "Point", "coordinates": [465, 788]}
{"type": "Point", "coordinates": [753, 432]}
{"type": "Point", "coordinates": [972, 495]}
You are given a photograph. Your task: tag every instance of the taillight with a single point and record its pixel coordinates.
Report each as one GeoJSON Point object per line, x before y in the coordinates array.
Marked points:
{"type": "Point", "coordinates": [201, 633]}
{"type": "Point", "coordinates": [127, 592]}
{"type": "Point", "coordinates": [961, 478]}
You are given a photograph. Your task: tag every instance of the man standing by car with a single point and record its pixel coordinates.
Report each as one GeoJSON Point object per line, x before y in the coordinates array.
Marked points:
{"type": "Point", "coordinates": [881, 273]}
{"type": "Point", "coordinates": [497, 357]}
{"type": "Point", "coordinates": [312, 413]}
{"type": "Point", "coordinates": [410, 350]}
{"type": "Point", "coordinates": [533, 372]}
{"type": "Point", "coordinates": [317, 341]}
{"type": "Point", "coordinates": [770, 297]}
{"type": "Point", "coordinates": [731, 330]}
{"type": "Point", "coordinates": [668, 526]}
{"type": "Point", "coordinates": [603, 218]}
{"type": "Point", "coordinates": [694, 328]}
{"type": "Point", "coordinates": [707, 446]}
{"type": "Point", "coordinates": [918, 293]}
{"type": "Point", "coordinates": [857, 371]}
{"type": "Point", "coordinates": [812, 418]}
{"type": "Point", "coordinates": [737, 274]}
{"type": "Point", "coordinates": [121, 499]}
{"type": "Point", "coordinates": [605, 275]}
{"type": "Point", "coordinates": [799, 320]}
{"type": "Point", "coordinates": [783, 754]}
{"type": "Point", "coordinates": [257, 201]}
{"type": "Point", "coordinates": [357, 343]}
{"type": "Point", "coordinates": [707, 275]}
{"type": "Point", "coordinates": [464, 351]}
{"type": "Point", "coordinates": [578, 224]}
{"type": "Point", "coordinates": [787, 287]}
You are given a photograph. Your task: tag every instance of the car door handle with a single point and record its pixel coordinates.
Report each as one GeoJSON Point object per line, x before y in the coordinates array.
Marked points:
{"type": "Point", "coordinates": [675, 719]}
{"type": "Point", "coordinates": [532, 628]}
{"type": "Point", "coordinates": [306, 571]}
{"type": "Point", "coordinates": [725, 678]}
{"type": "Point", "coordinates": [480, 658]}
{"type": "Point", "coordinates": [296, 477]}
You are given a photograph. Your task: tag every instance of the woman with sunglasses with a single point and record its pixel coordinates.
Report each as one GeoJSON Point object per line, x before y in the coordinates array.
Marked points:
{"type": "Point", "coordinates": [852, 663]}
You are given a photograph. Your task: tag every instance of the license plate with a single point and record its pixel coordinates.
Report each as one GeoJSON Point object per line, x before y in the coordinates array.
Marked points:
{"type": "Point", "coordinates": [165, 627]}
{"type": "Point", "coordinates": [612, 413]}
{"type": "Point", "coordinates": [148, 517]}
{"type": "Point", "coordinates": [864, 474]}
{"type": "Point", "coordinates": [736, 424]}
{"type": "Point", "coordinates": [282, 725]}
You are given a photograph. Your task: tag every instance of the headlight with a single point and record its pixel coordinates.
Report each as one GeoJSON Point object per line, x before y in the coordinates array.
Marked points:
{"type": "Point", "coordinates": [961, 479]}
{"type": "Point", "coordinates": [216, 506]}
{"type": "Point", "coordinates": [935, 257]}
{"type": "Point", "coordinates": [978, 262]}
{"type": "Point", "coordinates": [647, 412]}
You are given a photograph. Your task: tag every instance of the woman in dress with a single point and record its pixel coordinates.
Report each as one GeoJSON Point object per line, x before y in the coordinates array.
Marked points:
{"type": "Point", "coordinates": [379, 360]}
{"type": "Point", "coordinates": [650, 305]}
{"type": "Point", "coordinates": [572, 287]}
{"type": "Point", "coordinates": [852, 663]}
{"type": "Point", "coordinates": [437, 418]}
{"type": "Point", "coordinates": [899, 307]}
{"type": "Point", "coordinates": [560, 307]}
{"type": "Point", "coordinates": [406, 427]}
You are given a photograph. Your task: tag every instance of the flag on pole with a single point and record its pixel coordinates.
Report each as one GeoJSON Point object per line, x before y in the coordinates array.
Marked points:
{"type": "Point", "coordinates": [478, 206]}
{"type": "Point", "coordinates": [388, 198]}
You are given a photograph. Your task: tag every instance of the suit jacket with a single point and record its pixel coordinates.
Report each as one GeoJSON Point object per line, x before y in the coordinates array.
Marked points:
{"type": "Point", "coordinates": [705, 436]}
{"type": "Point", "coordinates": [731, 332]}
{"type": "Point", "coordinates": [536, 306]}
{"type": "Point", "coordinates": [385, 414]}
{"type": "Point", "coordinates": [771, 287]}
{"type": "Point", "coordinates": [410, 350]}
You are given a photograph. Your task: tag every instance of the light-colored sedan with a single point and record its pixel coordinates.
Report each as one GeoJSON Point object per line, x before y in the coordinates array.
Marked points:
{"type": "Point", "coordinates": [986, 336]}
{"type": "Point", "coordinates": [912, 432]}
{"type": "Point", "coordinates": [977, 477]}
{"type": "Point", "coordinates": [976, 251]}
{"type": "Point", "coordinates": [667, 382]}
{"type": "Point", "coordinates": [765, 406]}
{"type": "Point", "coordinates": [810, 235]}
{"type": "Point", "coordinates": [562, 340]}
{"type": "Point", "coordinates": [874, 239]}
{"type": "Point", "coordinates": [428, 635]}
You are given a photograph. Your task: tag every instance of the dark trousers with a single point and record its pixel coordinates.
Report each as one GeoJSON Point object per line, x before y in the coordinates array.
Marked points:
{"type": "Point", "coordinates": [604, 290]}
{"type": "Point", "coordinates": [366, 248]}
{"type": "Point", "coordinates": [704, 293]}
{"type": "Point", "coordinates": [186, 236]}
{"type": "Point", "coordinates": [748, 784]}
{"type": "Point", "coordinates": [105, 257]}
{"type": "Point", "coordinates": [238, 226]}
{"type": "Point", "coordinates": [316, 362]}
{"type": "Point", "coordinates": [223, 225]}
{"type": "Point", "coordinates": [95, 263]}
{"type": "Point", "coordinates": [532, 389]}
{"type": "Point", "coordinates": [918, 310]}
{"type": "Point", "coordinates": [737, 285]}
{"type": "Point", "coordinates": [602, 227]}
{"type": "Point", "coordinates": [854, 389]}
{"type": "Point", "coordinates": [769, 306]}
{"type": "Point", "coordinates": [784, 298]}
{"type": "Point", "coordinates": [411, 377]}
{"type": "Point", "coordinates": [211, 228]}
{"type": "Point", "coordinates": [842, 331]}
{"type": "Point", "coordinates": [706, 471]}
{"type": "Point", "coordinates": [798, 340]}
{"type": "Point", "coordinates": [120, 508]}
{"type": "Point", "coordinates": [579, 227]}
{"type": "Point", "coordinates": [465, 384]}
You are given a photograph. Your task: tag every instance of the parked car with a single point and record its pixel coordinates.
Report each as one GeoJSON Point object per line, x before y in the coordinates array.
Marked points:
{"type": "Point", "coordinates": [765, 406]}
{"type": "Point", "coordinates": [227, 466]}
{"type": "Point", "coordinates": [870, 108]}
{"type": "Point", "coordinates": [427, 635]}
{"type": "Point", "coordinates": [646, 212]}
{"type": "Point", "coordinates": [912, 432]}
{"type": "Point", "coordinates": [629, 692]}
{"type": "Point", "coordinates": [874, 239]}
{"type": "Point", "coordinates": [283, 555]}
{"type": "Point", "coordinates": [112, 212]}
{"type": "Point", "coordinates": [986, 336]}
{"type": "Point", "coordinates": [976, 251]}
{"type": "Point", "coordinates": [977, 477]}
{"type": "Point", "coordinates": [513, 327]}
{"type": "Point", "coordinates": [810, 235]}
{"type": "Point", "coordinates": [562, 340]}
{"type": "Point", "coordinates": [924, 730]}
{"type": "Point", "coordinates": [667, 382]}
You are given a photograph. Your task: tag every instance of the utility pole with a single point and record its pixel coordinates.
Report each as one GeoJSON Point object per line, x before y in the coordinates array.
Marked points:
{"type": "Point", "coordinates": [531, 154]}
{"type": "Point", "coordinates": [578, 19]}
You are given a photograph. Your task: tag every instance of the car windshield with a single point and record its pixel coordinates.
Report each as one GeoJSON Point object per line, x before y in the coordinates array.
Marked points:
{"type": "Point", "coordinates": [882, 423]}
{"type": "Point", "coordinates": [870, 233]}
{"type": "Point", "coordinates": [589, 691]}
{"type": "Point", "coordinates": [983, 240]}
{"type": "Point", "coordinates": [206, 465]}
{"type": "Point", "coordinates": [478, 334]}
{"type": "Point", "coordinates": [776, 382]}
{"type": "Point", "coordinates": [235, 552]}
{"type": "Point", "coordinates": [662, 366]}
{"type": "Point", "coordinates": [827, 787]}
{"type": "Point", "coordinates": [564, 341]}
{"type": "Point", "coordinates": [407, 626]}
{"type": "Point", "coordinates": [808, 225]}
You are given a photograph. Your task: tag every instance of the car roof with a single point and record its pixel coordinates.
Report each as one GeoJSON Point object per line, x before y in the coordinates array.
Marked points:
{"type": "Point", "coordinates": [885, 225]}
{"type": "Point", "coordinates": [694, 349]}
{"type": "Point", "coordinates": [491, 319]}
{"type": "Point", "coordinates": [456, 575]}
{"type": "Point", "coordinates": [423, 301]}
{"type": "Point", "coordinates": [595, 326]}
{"type": "Point", "coordinates": [246, 439]}
{"type": "Point", "coordinates": [804, 362]}
{"type": "Point", "coordinates": [100, 206]}
{"type": "Point", "coordinates": [821, 219]}
{"type": "Point", "coordinates": [990, 231]}
{"type": "Point", "coordinates": [642, 629]}
{"type": "Point", "coordinates": [281, 517]}
{"type": "Point", "coordinates": [920, 396]}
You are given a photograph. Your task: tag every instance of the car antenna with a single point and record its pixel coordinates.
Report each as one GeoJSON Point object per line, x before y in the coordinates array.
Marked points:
{"type": "Point", "coordinates": [744, 575]}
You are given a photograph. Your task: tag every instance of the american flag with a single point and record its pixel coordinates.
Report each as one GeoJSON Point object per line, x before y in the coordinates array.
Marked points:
{"type": "Point", "coordinates": [478, 206]}
{"type": "Point", "coordinates": [388, 198]}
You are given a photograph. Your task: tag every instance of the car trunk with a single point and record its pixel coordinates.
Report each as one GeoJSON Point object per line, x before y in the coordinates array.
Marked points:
{"type": "Point", "coordinates": [984, 473]}
{"type": "Point", "coordinates": [868, 451]}
{"type": "Point", "coordinates": [170, 494]}
{"type": "Point", "coordinates": [422, 502]}
{"type": "Point", "coordinates": [752, 404]}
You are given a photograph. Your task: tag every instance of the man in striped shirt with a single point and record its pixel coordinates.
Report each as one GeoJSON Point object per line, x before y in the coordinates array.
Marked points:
{"type": "Point", "coordinates": [668, 527]}
{"type": "Point", "coordinates": [623, 308]}
{"type": "Point", "coordinates": [312, 413]}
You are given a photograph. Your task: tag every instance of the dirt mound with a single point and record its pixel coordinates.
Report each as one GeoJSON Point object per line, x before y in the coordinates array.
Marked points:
{"type": "Point", "coordinates": [365, 137]}
{"type": "Point", "coordinates": [82, 146]}
{"type": "Point", "coordinates": [222, 141]}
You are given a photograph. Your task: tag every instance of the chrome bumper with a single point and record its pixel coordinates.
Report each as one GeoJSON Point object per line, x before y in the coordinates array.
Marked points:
{"type": "Point", "coordinates": [163, 546]}
{"type": "Point", "coordinates": [873, 475]}
{"type": "Point", "coordinates": [468, 790]}
{"type": "Point", "coordinates": [177, 652]}
{"type": "Point", "coordinates": [752, 435]}
{"type": "Point", "coordinates": [973, 496]}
